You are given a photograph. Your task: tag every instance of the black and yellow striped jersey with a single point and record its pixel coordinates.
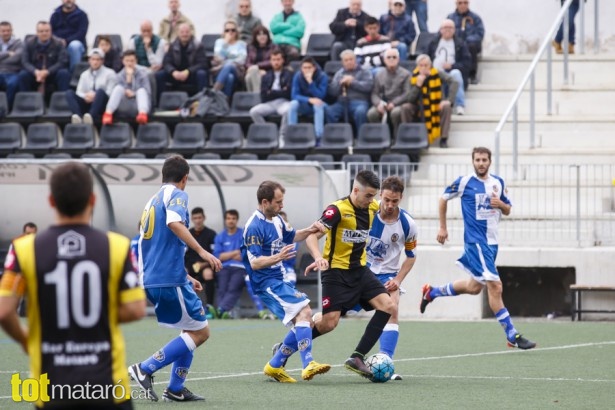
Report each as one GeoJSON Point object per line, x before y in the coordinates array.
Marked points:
{"type": "Point", "coordinates": [348, 233]}
{"type": "Point", "coordinates": [74, 279]}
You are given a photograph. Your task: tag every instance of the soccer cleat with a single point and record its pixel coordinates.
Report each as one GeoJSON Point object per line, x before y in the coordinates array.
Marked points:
{"type": "Point", "coordinates": [107, 118]}
{"type": "Point", "coordinates": [183, 395]}
{"type": "Point", "coordinates": [396, 377]}
{"type": "Point", "coordinates": [521, 342]}
{"type": "Point", "coordinates": [426, 300]}
{"type": "Point", "coordinates": [279, 374]}
{"type": "Point", "coordinates": [144, 380]}
{"type": "Point", "coordinates": [313, 369]}
{"type": "Point", "coordinates": [357, 365]}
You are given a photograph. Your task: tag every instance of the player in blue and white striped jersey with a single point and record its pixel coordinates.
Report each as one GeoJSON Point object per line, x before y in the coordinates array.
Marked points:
{"type": "Point", "coordinates": [484, 198]}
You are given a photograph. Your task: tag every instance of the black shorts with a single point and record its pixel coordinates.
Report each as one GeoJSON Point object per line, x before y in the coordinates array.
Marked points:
{"type": "Point", "coordinates": [343, 289]}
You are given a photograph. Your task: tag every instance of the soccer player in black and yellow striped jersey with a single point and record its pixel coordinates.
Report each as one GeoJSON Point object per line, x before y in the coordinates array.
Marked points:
{"type": "Point", "coordinates": [80, 283]}
{"type": "Point", "coordinates": [346, 279]}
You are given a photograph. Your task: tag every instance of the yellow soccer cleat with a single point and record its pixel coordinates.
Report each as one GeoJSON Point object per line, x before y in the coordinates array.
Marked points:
{"type": "Point", "coordinates": [313, 369]}
{"type": "Point", "coordinates": [279, 374]}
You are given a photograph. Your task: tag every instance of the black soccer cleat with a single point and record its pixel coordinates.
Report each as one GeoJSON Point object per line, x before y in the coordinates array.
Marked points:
{"type": "Point", "coordinates": [357, 365]}
{"type": "Point", "coordinates": [426, 299]}
{"type": "Point", "coordinates": [144, 380]}
{"type": "Point", "coordinates": [521, 342]}
{"type": "Point", "coordinates": [183, 395]}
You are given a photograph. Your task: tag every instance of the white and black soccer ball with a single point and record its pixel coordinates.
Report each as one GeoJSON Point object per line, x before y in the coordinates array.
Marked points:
{"type": "Point", "coordinates": [381, 366]}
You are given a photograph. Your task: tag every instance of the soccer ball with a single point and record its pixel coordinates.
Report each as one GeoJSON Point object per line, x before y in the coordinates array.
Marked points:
{"type": "Point", "coordinates": [381, 366]}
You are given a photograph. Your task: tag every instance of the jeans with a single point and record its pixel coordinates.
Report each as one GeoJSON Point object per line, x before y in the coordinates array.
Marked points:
{"type": "Point", "coordinates": [299, 108]}
{"type": "Point", "coordinates": [198, 81]}
{"type": "Point", "coordinates": [227, 76]}
{"type": "Point", "coordinates": [78, 105]}
{"type": "Point", "coordinates": [572, 12]}
{"type": "Point", "coordinates": [420, 9]}
{"type": "Point", "coordinates": [403, 51]}
{"type": "Point", "coordinates": [27, 81]}
{"type": "Point", "coordinates": [230, 284]}
{"type": "Point", "coordinates": [460, 98]}
{"type": "Point", "coordinates": [10, 82]}
{"type": "Point", "coordinates": [357, 109]}
{"type": "Point", "coordinates": [75, 51]}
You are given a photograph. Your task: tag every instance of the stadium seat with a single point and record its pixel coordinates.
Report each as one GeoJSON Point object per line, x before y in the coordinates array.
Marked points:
{"type": "Point", "coordinates": [411, 139]}
{"type": "Point", "coordinates": [58, 107]}
{"type": "Point", "coordinates": [152, 138]}
{"type": "Point", "coordinates": [28, 104]}
{"type": "Point", "coordinates": [241, 104]}
{"type": "Point", "coordinates": [115, 138]}
{"type": "Point", "coordinates": [208, 41]}
{"type": "Point", "coordinates": [336, 138]}
{"type": "Point", "coordinates": [207, 155]}
{"type": "Point", "coordinates": [116, 41]}
{"type": "Point", "coordinates": [12, 137]}
{"type": "Point", "coordinates": [332, 67]}
{"type": "Point", "coordinates": [319, 46]}
{"type": "Point", "coordinates": [77, 71]}
{"type": "Point", "coordinates": [279, 156]}
{"type": "Point", "coordinates": [188, 138]}
{"type": "Point", "coordinates": [171, 100]}
{"type": "Point", "coordinates": [57, 155]}
{"type": "Point", "coordinates": [94, 155]}
{"type": "Point", "coordinates": [422, 43]}
{"type": "Point", "coordinates": [42, 137]}
{"type": "Point", "coordinates": [299, 139]}
{"type": "Point", "coordinates": [326, 160]}
{"type": "Point", "coordinates": [295, 66]}
{"type": "Point", "coordinates": [20, 155]}
{"type": "Point", "coordinates": [354, 163]}
{"type": "Point", "coordinates": [395, 164]}
{"type": "Point", "coordinates": [225, 138]}
{"type": "Point", "coordinates": [261, 138]}
{"type": "Point", "coordinates": [244, 156]}
{"type": "Point", "coordinates": [373, 138]}
{"type": "Point", "coordinates": [162, 155]}
{"type": "Point", "coordinates": [408, 65]}
{"type": "Point", "coordinates": [4, 105]}
{"type": "Point", "coordinates": [132, 155]}
{"type": "Point", "coordinates": [78, 138]}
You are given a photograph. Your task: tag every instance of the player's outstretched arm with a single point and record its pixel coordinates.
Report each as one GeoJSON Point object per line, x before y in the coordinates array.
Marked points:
{"type": "Point", "coordinates": [316, 227]}
{"type": "Point", "coordinates": [442, 232]}
{"type": "Point", "coordinates": [319, 262]}
{"type": "Point", "coordinates": [180, 230]}
{"type": "Point", "coordinates": [262, 262]}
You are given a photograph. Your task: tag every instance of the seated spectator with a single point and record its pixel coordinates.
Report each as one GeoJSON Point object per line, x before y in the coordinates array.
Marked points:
{"type": "Point", "coordinates": [450, 53]}
{"type": "Point", "coordinates": [369, 49]}
{"type": "Point", "coordinates": [419, 7]}
{"type": "Point", "coordinates": [169, 26]}
{"type": "Point", "coordinates": [352, 87]}
{"type": "Point", "coordinates": [348, 26]}
{"type": "Point", "coordinates": [132, 95]}
{"type": "Point", "coordinates": [11, 50]}
{"type": "Point", "coordinates": [390, 92]}
{"type": "Point", "coordinates": [246, 21]}
{"type": "Point", "coordinates": [426, 103]}
{"type": "Point", "coordinates": [70, 23]}
{"type": "Point", "coordinates": [288, 28]}
{"type": "Point", "coordinates": [184, 63]}
{"type": "Point", "coordinates": [93, 90]}
{"type": "Point", "coordinates": [398, 26]}
{"type": "Point", "coordinates": [469, 26]}
{"type": "Point", "coordinates": [257, 62]}
{"type": "Point", "coordinates": [113, 60]}
{"type": "Point", "coordinates": [228, 64]}
{"type": "Point", "coordinates": [275, 93]}
{"type": "Point", "coordinates": [44, 61]}
{"type": "Point", "coordinates": [308, 92]}
{"type": "Point", "coordinates": [149, 47]}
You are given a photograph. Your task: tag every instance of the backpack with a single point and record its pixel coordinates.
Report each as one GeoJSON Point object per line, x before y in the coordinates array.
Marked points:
{"type": "Point", "coordinates": [206, 102]}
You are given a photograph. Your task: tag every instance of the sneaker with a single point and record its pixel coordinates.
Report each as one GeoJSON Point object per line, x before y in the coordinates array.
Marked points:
{"type": "Point", "coordinates": [313, 369]}
{"type": "Point", "coordinates": [521, 342]}
{"type": "Point", "coordinates": [275, 349]}
{"type": "Point", "coordinates": [211, 311]}
{"type": "Point", "coordinates": [141, 118]}
{"type": "Point", "coordinates": [224, 315]}
{"type": "Point", "coordinates": [357, 365]}
{"type": "Point", "coordinates": [558, 47]}
{"type": "Point", "coordinates": [107, 118]}
{"type": "Point", "coordinates": [279, 374]}
{"type": "Point", "coordinates": [426, 300]}
{"type": "Point", "coordinates": [75, 119]}
{"type": "Point", "coordinates": [459, 110]}
{"type": "Point", "coordinates": [87, 119]}
{"type": "Point", "coordinates": [183, 395]}
{"type": "Point", "coordinates": [396, 377]}
{"type": "Point", "coordinates": [144, 380]}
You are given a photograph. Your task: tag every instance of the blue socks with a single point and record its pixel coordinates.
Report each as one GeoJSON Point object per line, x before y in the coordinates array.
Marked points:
{"type": "Point", "coordinates": [178, 351]}
{"type": "Point", "coordinates": [388, 339]}
{"type": "Point", "coordinates": [446, 290]}
{"type": "Point", "coordinates": [289, 346]}
{"type": "Point", "coordinates": [179, 372]}
{"type": "Point", "coordinates": [504, 318]}
{"type": "Point", "coordinates": [303, 333]}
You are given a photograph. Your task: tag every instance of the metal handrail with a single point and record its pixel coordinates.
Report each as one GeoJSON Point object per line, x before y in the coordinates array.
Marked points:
{"type": "Point", "coordinates": [530, 76]}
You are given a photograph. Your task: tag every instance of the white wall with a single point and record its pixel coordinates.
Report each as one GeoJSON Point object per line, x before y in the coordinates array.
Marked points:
{"type": "Point", "coordinates": [512, 26]}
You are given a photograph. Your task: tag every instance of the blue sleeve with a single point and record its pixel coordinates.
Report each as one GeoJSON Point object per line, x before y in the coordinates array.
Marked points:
{"type": "Point", "coordinates": [288, 234]}
{"type": "Point", "coordinates": [296, 89]}
{"type": "Point", "coordinates": [453, 188]}
{"type": "Point", "coordinates": [504, 195]}
{"type": "Point", "coordinates": [179, 204]}
{"type": "Point", "coordinates": [253, 241]}
{"type": "Point", "coordinates": [218, 240]}
{"type": "Point", "coordinates": [320, 88]}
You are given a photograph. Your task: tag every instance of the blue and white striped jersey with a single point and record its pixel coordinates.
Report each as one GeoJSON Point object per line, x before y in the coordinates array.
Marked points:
{"type": "Point", "coordinates": [388, 240]}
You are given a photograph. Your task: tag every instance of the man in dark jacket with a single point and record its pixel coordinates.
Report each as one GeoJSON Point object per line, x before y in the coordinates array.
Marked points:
{"type": "Point", "coordinates": [275, 93]}
{"type": "Point", "coordinates": [307, 95]}
{"type": "Point", "coordinates": [44, 61]}
{"type": "Point", "coordinates": [469, 26]}
{"type": "Point", "coordinates": [70, 23]}
{"type": "Point", "coordinates": [184, 63]}
{"type": "Point", "coordinates": [11, 49]}
{"type": "Point", "coordinates": [398, 26]}
{"type": "Point", "coordinates": [348, 26]}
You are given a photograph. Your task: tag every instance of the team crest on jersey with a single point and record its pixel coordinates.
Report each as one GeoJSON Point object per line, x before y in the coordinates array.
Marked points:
{"type": "Point", "coordinates": [181, 372]}
{"type": "Point", "coordinates": [159, 356]}
{"type": "Point", "coordinates": [495, 189]}
{"type": "Point", "coordinates": [71, 245]}
{"type": "Point", "coordinates": [394, 237]}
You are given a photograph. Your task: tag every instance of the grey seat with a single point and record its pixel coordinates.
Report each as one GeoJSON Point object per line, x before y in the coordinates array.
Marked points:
{"type": "Point", "coordinates": [331, 67]}
{"type": "Point", "coordinates": [132, 155]}
{"type": "Point", "coordinates": [94, 155]}
{"type": "Point", "coordinates": [422, 42]}
{"type": "Point", "coordinates": [21, 155]}
{"type": "Point", "coordinates": [207, 155]}
{"type": "Point", "coordinates": [42, 137]}
{"type": "Point", "coordinates": [279, 156]}
{"type": "Point", "coordinates": [209, 41]}
{"type": "Point", "coordinates": [152, 138]}
{"type": "Point", "coordinates": [79, 68]}
{"type": "Point", "coordinates": [325, 160]}
{"type": "Point", "coordinates": [12, 137]}
{"type": "Point", "coordinates": [411, 139]}
{"type": "Point", "coordinates": [57, 155]}
{"type": "Point", "coordinates": [241, 104]}
{"type": "Point", "coordinates": [78, 138]}
{"type": "Point", "coordinates": [299, 139]}
{"type": "Point", "coordinates": [395, 164]}
{"type": "Point", "coordinates": [261, 138]}
{"type": "Point", "coordinates": [188, 138]}
{"type": "Point", "coordinates": [319, 46]}
{"type": "Point", "coordinates": [28, 105]}
{"type": "Point", "coordinates": [373, 139]}
{"type": "Point", "coordinates": [336, 138]}
{"type": "Point", "coordinates": [244, 156]}
{"type": "Point", "coordinates": [58, 107]}
{"type": "Point", "coordinates": [4, 105]}
{"type": "Point", "coordinates": [171, 100]}
{"type": "Point", "coordinates": [357, 162]}
{"type": "Point", "coordinates": [224, 138]}
{"type": "Point", "coordinates": [115, 138]}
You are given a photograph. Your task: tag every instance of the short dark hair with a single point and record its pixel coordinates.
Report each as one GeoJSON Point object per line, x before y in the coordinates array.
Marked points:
{"type": "Point", "coordinates": [481, 150]}
{"type": "Point", "coordinates": [277, 51]}
{"type": "Point", "coordinates": [308, 59]}
{"type": "Point", "coordinates": [71, 187]}
{"type": "Point", "coordinates": [266, 190]}
{"type": "Point", "coordinates": [371, 21]}
{"type": "Point", "coordinates": [175, 168]}
{"type": "Point", "coordinates": [27, 224]}
{"type": "Point", "coordinates": [197, 210]}
{"type": "Point", "coordinates": [232, 212]}
{"type": "Point", "coordinates": [393, 184]}
{"type": "Point", "coordinates": [104, 37]}
{"type": "Point", "coordinates": [366, 177]}
{"type": "Point", "coordinates": [129, 53]}
{"type": "Point", "coordinates": [5, 23]}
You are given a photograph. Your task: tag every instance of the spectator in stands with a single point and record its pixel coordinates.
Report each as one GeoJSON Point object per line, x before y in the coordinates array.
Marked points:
{"type": "Point", "coordinates": [198, 268]}
{"type": "Point", "coordinates": [11, 50]}
{"type": "Point", "coordinates": [352, 87]}
{"type": "Point", "coordinates": [288, 28]}
{"type": "Point", "coordinates": [369, 49]}
{"type": "Point", "coordinates": [70, 23]}
{"type": "Point", "coordinates": [184, 63]}
{"type": "Point", "coordinates": [44, 61]}
{"type": "Point", "coordinates": [113, 60]}
{"type": "Point", "coordinates": [257, 61]}
{"type": "Point", "coordinates": [398, 27]}
{"type": "Point", "coordinates": [149, 47]}
{"type": "Point", "coordinates": [390, 92]}
{"type": "Point", "coordinates": [426, 93]}
{"type": "Point", "coordinates": [275, 90]}
{"type": "Point", "coordinates": [469, 26]}
{"type": "Point", "coordinates": [132, 95]}
{"type": "Point", "coordinates": [419, 7]}
{"type": "Point", "coordinates": [246, 21]}
{"type": "Point", "coordinates": [93, 90]}
{"type": "Point", "coordinates": [450, 53]}
{"type": "Point", "coordinates": [169, 26]}
{"type": "Point", "coordinates": [348, 26]}
{"type": "Point", "coordinates": [308, 92]}
{"type": "Point", "coordinates": [559, 37]}
{"type": "Point", "coordinates": [228, 64]}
